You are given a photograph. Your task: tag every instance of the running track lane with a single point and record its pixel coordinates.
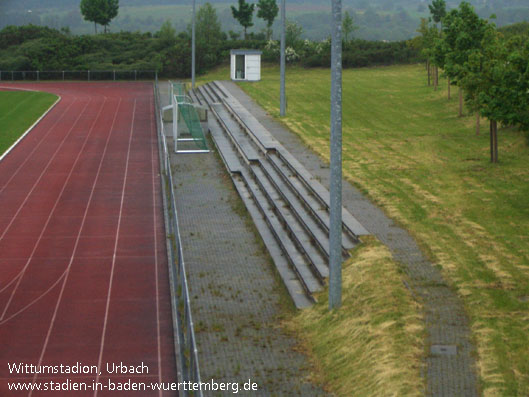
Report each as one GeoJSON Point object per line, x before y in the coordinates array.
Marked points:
{"type": "Point", "coordinates": [83, 266]}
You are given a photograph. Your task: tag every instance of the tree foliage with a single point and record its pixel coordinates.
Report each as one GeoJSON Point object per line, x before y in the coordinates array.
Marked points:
{"type": "Point", "coordinates": [267, 10]}
{"type": "Point", "coordinates": [99, 11]}
{"type": "Point", "coordinates": [348, 26]}
{"type": "Point", "coordinates": [438, 10]}
{"type": "Point", "coordinates": [244, 14]}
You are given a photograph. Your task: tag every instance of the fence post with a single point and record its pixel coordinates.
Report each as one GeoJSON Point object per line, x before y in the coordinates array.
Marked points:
{"type": "Point", "coordinates": [38, 76]}
{"type": "Point", "coordinates": [135, 76]}
{"type": "Point", "coordinates": [63, 75]}
{"type": "Point", "coordinates": [0, 75]}
{"type": "Point", "coordinates": [114, 72]}
{"type": "Point", "coordinates": [88, 75]}
{"type": "Point", "coordinates": [12, 76]}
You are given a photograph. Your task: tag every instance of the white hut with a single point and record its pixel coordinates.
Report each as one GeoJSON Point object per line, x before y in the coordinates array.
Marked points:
{"type": "Point", "coordinates": [245, 65]}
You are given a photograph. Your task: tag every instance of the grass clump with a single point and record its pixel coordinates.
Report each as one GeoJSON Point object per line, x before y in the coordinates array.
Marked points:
{"type": "Point", "coordinates": [18, 111]}
{"type": "Point", "coordinates": [373, 345]}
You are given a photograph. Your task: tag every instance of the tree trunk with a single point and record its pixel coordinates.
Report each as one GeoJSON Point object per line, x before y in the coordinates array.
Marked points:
{"type": "Point", "coordinates": [460, 102]}
{"type": "Point", "coordinates": [245, 36]}
{"type": "Point", "coordinates": [477, 123]}
{"type": "Point", "coordinates": [493, 141]}
{"type": "Point", "coordinates": [95, 27]}
{"type": "Point", "coordinates": [448, 78]}
{"type": "Point", "coordinates": [436, 77]}
{"type": "Point", "coordinates": [428, 68]}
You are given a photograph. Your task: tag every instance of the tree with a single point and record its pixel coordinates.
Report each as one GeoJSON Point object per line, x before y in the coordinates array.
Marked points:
{"type": "Point", "coordinates": [267, 10]}
{"type": "Point", "coordinates": [208, 37]}
{"type": "Point", "coordinates": [293, 34]}
{"type": "Point", "coordinates": [348, 26]}
{"type": "Point", "coordinates": [244, 14]}
{"type": "Point", "coordinates": [496, 83]}
{"type": "Point", "coordinates": [463, 34]}
{"type": "Point", "coordinates": [438, 11]}
{"type": "Point", "coordinates": [166, 36]}
{"type": "Point", "coordinates": [428, 40]}
{"type": "Point", "coordinates": [90, 11]}
{"type": "Point", "coordinates": [110, 10]}
{"type": "Point", "coordinates": [99, 11]}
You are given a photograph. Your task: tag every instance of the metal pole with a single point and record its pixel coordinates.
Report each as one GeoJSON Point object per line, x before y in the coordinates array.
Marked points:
{"type": "Point", "coordinates": [193, 49]}
{"type": "Point", "coordinates": [282, 94]}
{"type": "Point", "coordinates": [335, 231]}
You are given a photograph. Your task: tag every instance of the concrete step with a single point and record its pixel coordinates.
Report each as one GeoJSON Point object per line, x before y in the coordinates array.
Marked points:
{"type": "Point", "coordinates": [319, 234]}
{"type": "Point", "coordinates": [239, 138]}
{"type": "Point", "coordinates": [297, 230]}
{"type": "Point", "coordinates": [284, 239]}
{"type": "Point", "coordinates": [234, 154]}
{"type": "Point", "coordinates": [289, 277]}
{"type": "Point", "coordinates": [310, 240]}
{"type": "Point", "coordinates": [310, 200]}
{"type": "Point", "coordinates": [268, 142]}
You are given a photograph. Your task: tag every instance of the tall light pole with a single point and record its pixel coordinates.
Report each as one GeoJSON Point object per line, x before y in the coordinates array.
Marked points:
{"type": "Point", "coordinates": [282, 95]}
{"type": "Point", "coordinates": [335, 230]}
{"type": "Point", "coordinates": [193, 49]}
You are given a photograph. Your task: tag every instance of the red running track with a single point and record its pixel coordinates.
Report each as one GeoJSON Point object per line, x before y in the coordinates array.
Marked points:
{"type": "Point", "coordinates": [83, 266]}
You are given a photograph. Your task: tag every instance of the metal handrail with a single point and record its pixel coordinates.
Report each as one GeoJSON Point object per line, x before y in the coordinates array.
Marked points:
{"type": "Point", "coordinates": [189, 369]}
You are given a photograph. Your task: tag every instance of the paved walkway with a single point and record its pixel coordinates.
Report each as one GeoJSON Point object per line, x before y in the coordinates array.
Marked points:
{"type": "Point", "coordinates": [236, 297]}
{"type": "Point", "coordinates": [447, 374]}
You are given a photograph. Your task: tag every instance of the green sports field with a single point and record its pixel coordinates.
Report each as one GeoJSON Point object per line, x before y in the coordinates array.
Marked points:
{"type": "Point", "coordinates": [18, 111]}
{"type": "Point", "coordinates": [406, 148]}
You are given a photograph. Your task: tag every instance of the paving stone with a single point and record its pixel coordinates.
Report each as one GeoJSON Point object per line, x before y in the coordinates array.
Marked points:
{"type": "Point", "coordinates": [235, 294]}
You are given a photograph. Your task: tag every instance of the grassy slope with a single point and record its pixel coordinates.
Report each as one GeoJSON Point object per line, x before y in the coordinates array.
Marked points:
{"type": "Point", "coordinates": [18, 111]}
{"type": "Point", "coordinates": [374, 344]}
{"type": "Point", "coordinates": [406, 148]}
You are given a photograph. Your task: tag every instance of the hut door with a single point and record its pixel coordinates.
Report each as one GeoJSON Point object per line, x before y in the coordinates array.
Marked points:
{"type": "Point", "coordinates": [239, 67]}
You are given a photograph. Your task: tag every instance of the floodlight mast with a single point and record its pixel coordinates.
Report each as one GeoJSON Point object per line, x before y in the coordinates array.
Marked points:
{"type": "Point", "coordinates": [335, 229]}
{"type": "Point", "coordinates": [193, 48]}
{"type": "Point", "coordinates": [282, 94]}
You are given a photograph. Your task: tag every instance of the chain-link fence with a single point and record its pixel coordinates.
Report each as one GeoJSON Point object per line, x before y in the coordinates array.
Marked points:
{"type": "Point", "coordinates": [78, 75]}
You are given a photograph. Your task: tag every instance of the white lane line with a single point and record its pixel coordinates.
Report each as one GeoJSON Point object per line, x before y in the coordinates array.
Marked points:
{"type": "Point", "coordinates": [31, 191]}
{"type": "Point", "coordinates": [153, 156]}
{"type": "Point", "coordinates": [105, 322]}
{"type": "Point", "coordinates": [20, 275]}
{"type": "Point", "coordinates": [65, 280]}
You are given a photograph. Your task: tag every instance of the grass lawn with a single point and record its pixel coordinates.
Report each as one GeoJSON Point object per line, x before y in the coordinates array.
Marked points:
{"type": "Point", "coordinates": [18, 111]}
{"type": "Point", "coordinates": [405, 147]}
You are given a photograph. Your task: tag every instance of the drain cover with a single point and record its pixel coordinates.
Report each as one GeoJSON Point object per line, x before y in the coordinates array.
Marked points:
{"type": "Point", "coordinates": [444, 350]}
